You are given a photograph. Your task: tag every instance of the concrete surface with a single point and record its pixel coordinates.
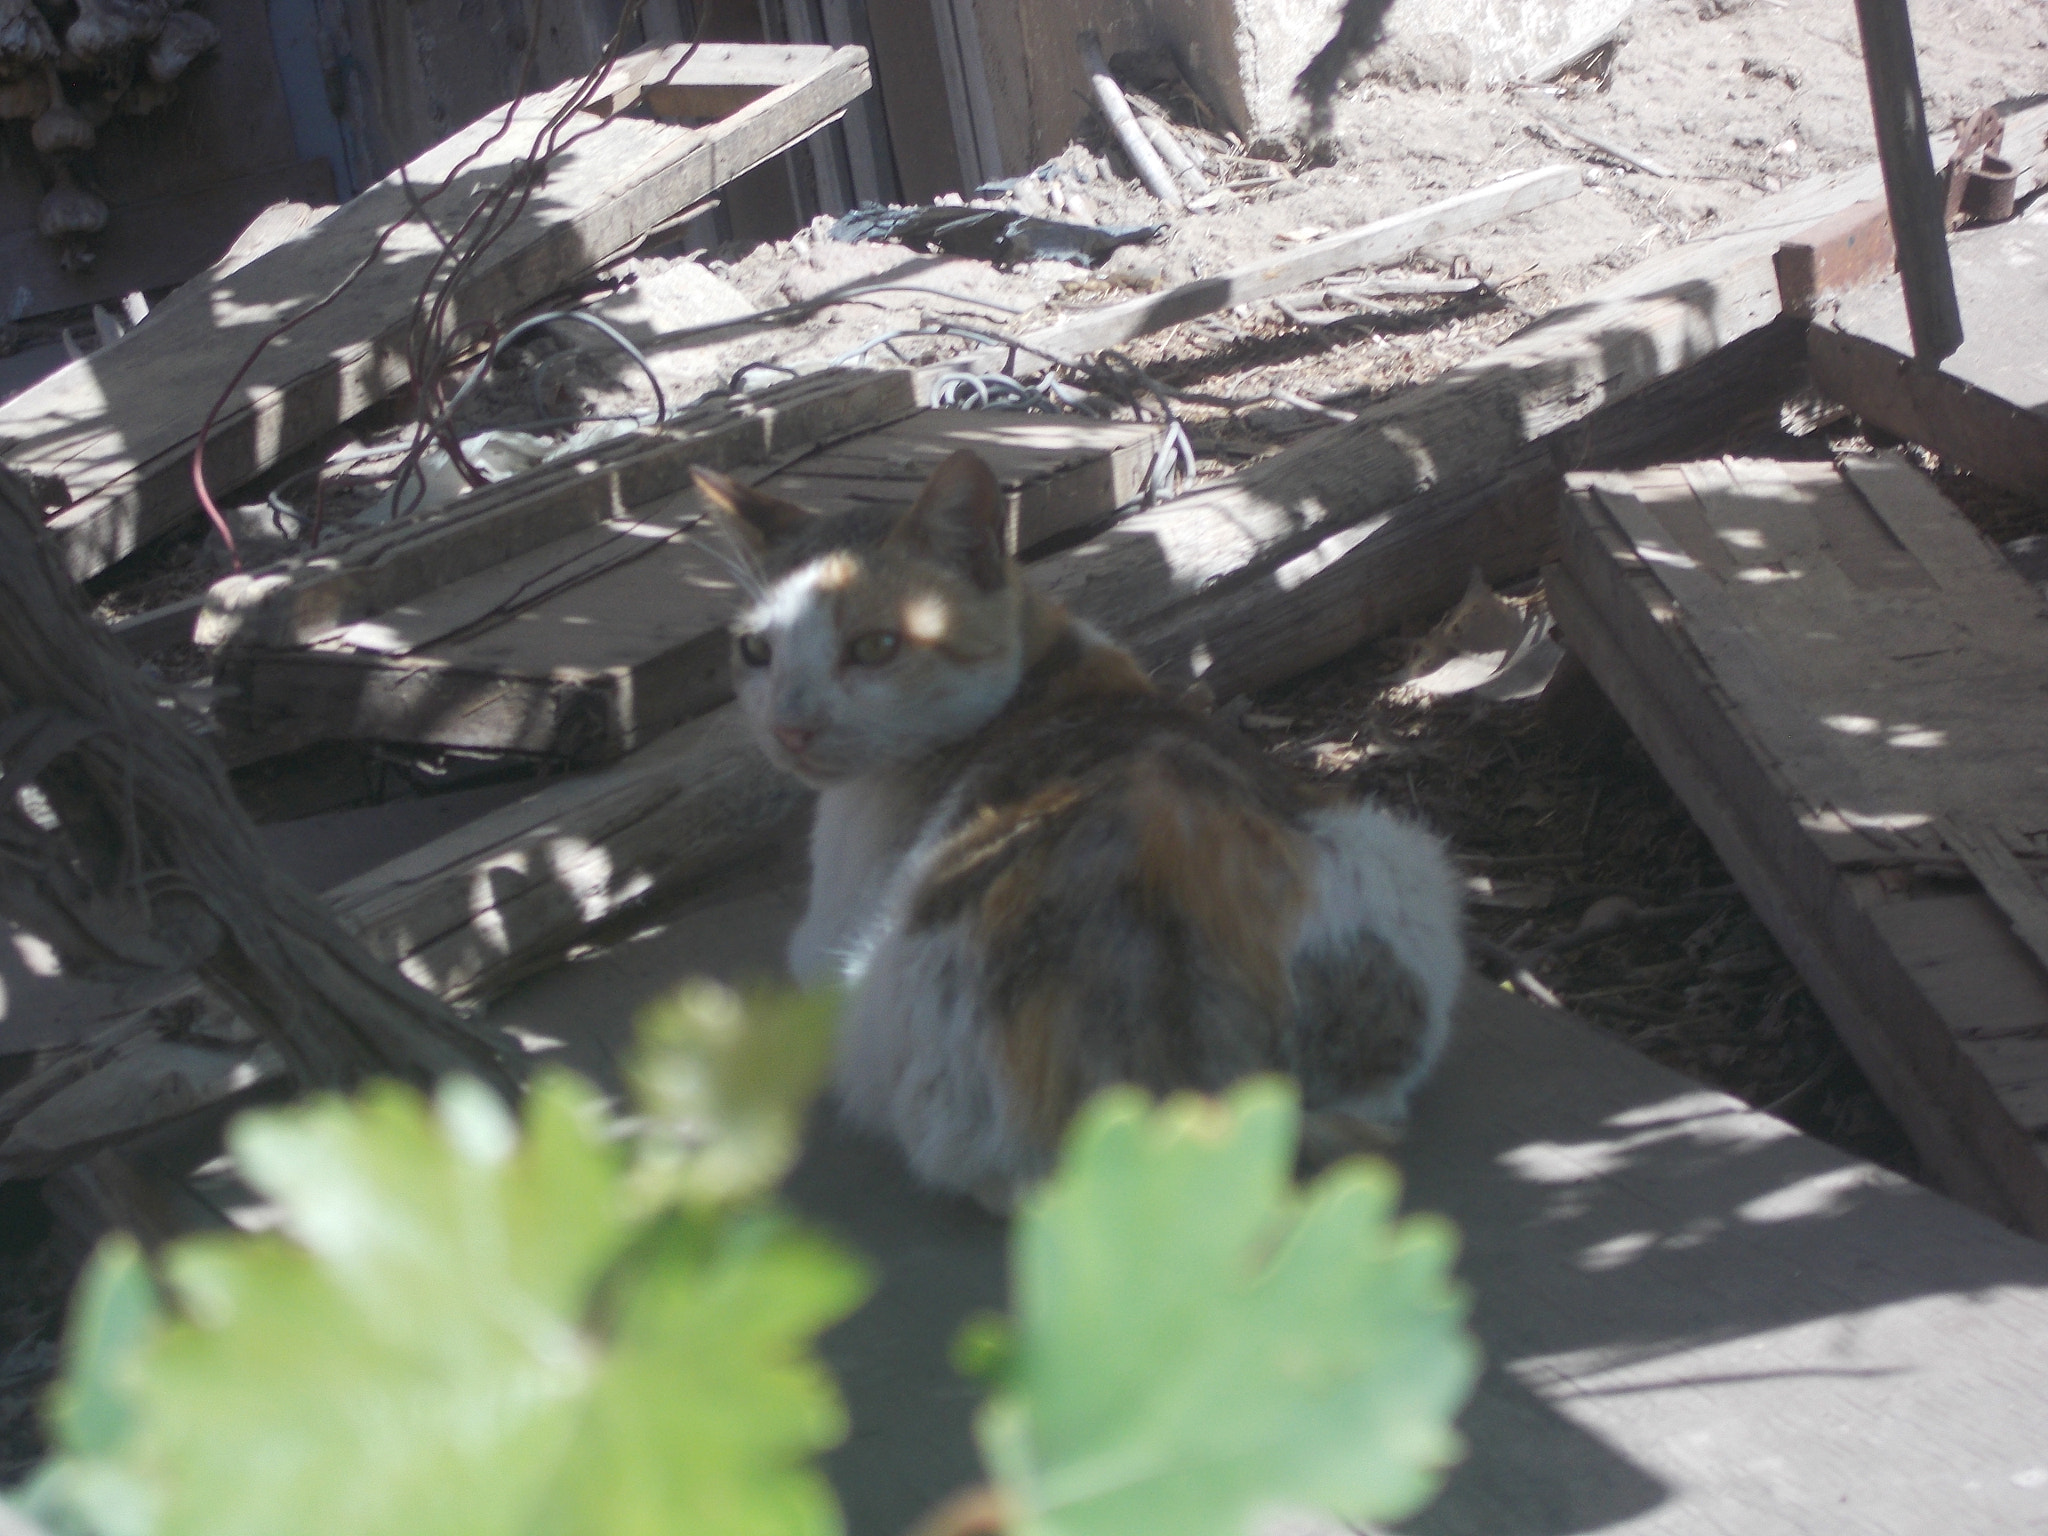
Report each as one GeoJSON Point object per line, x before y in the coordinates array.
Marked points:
{"type": "Point", "coordinates": [1697, 1320]}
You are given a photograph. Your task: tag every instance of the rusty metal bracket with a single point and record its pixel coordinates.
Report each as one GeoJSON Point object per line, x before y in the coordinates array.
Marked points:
{"type": "Point", "coordinates": [1978, 139]}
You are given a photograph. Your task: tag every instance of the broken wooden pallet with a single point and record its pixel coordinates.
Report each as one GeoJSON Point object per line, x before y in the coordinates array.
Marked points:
{"type": "Point", "coordinates": [1986, 407]}
{"type": "Point", "coordinates": [116, 431]}
{"type": "Point", "coordinates": [353, 578]}
{"type": "Point", "coordinates": [1846, 685]}
{"type": "Point", "coordinates": [586, 647]}
{"type": "Point", "coordinates": [1338, 538]}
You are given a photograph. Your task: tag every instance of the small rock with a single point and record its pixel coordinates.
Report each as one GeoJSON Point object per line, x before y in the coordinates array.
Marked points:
{"type": "Point", "coordinates": [1608, 912]}
{"type": "Point", "coordinates": [1763, 69]}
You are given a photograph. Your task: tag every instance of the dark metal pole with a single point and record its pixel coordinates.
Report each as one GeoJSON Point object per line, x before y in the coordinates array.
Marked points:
{"type": "Point", "coordinates": [1912, 190]}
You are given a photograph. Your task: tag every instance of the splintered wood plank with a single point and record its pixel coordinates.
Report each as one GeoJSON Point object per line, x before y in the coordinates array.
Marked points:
{"type": "Point", "coordinates": [1986, 406]}
{"type": "Point", "coordinates": [117, 431]}
{"type": "Point", "coordinates": [586, 647]}
{"type": "Point", "coordinates": [1846, 684]}
{"type": "Point", "coordinates": [369, 573]}
{"type": "Point", "coordinates": [1059, 474]}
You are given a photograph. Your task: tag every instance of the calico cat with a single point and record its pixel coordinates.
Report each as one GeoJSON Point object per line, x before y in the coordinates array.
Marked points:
{"type": "Point", "coordinates": [1038, 875]}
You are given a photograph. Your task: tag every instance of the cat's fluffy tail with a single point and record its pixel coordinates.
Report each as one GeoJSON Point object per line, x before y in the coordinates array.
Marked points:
{"type": "Point", "coordinates": [1378, 966]}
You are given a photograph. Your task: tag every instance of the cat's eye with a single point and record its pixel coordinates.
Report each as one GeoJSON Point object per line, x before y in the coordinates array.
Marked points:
{"type": "Point", "coordinates": [754, 649]}
{"type": "Point", "coordinates": [876, 648]}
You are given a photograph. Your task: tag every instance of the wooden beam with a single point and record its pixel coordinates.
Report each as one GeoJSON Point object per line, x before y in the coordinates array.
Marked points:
{"type": "Point", "coordinates": [1980, 431]}
{"type": "Point", "coordinates": [1840, 252]}
{"type": "Point", "coordinates": [117, 431]}
{"type": "Point", "coordinates": [588, 647]}
{"type": "Point", "coordinates": [352, 578]}
{"type": "Point", "coordinates": [1912, 189]}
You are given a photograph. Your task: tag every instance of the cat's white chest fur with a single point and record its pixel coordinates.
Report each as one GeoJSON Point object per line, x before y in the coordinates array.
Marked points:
{"type": "Point", "coordinates": [858, 837]}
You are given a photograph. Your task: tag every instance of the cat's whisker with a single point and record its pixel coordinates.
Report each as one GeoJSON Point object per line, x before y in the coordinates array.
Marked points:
{"type": "Point", "coordinates": [740, 562]}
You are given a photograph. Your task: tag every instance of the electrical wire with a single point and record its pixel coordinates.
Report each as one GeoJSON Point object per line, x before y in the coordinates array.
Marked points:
{"type": "Point", "coordinates": [603, 326]}
{"type": "Point", "coordinates": [279, 502]}
{"type": "Point", "coordinates": [417, 203]}
{"type": "Point", "coordinates": [1110, 373]}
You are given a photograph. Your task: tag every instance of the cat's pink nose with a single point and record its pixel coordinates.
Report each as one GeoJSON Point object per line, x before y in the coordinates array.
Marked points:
{"type": "Point", "coordinates": [795, 737]}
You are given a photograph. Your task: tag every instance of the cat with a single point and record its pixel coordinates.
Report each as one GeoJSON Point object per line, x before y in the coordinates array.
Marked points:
{"type": "Point", "coordinates": [1037, 874]}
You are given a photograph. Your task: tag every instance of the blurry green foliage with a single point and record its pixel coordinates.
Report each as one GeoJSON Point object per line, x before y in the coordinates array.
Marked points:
{"type": "Point", "coordinates": [470, 1324]}
{"type": "Point", "coordinates": [1199, 1344]}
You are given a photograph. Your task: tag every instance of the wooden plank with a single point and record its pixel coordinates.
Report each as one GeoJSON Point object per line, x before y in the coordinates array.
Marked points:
{"type": "Point", "coordinates": [1817, 725]}
{"type": "Point", "coordinates": [1887, 1024]}
{"type": "Point", "coordinates": [1696, 1320]}
{"type": "Point", "coordinates": [586, 648]}
{"type": "Point", "coordinates": [1986, 407]}
{"type": "Point", "coordinates": [1376, 244]}
{"type": "Point", "coordinates": [352, 578]}
{"type": "Point", "coordinates": [1840, 252]}
{"type": "Point", "coordinates": [118, 437]}
{"type": "Point", "coordinates": [1700, 1321]}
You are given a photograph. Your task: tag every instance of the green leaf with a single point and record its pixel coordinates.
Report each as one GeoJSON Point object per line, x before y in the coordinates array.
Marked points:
{"type": "Point", "coordinates": [459, 1330]}
{"type": "Point", "coordinates": [1199, 1345]}
{"type": "Point", "coordinates": [114, 1313]}
{"type": "Point", "coordinates": [411, 1360]}
{"type": "Point", "coordinates": [85, 1489]}
{"type": "Point", "coordinates": [710, 1405]}
{"type": "Point", "coordinates": [722, 1081]}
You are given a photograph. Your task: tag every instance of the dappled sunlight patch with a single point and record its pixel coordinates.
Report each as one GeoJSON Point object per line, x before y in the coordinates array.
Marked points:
{"type": "Point", "coordinates": [1834, 819]}
{"type": "Point", "coordinates": [584, 871]}
{"type": "Point", "coordinates": [1825, 1195]}
{"type": "Point", "coordinates": [1681, 1109]}
{"type": "Point", "coordinates": [1914, 738]}
{"type": "Point", "coordinates": [1701, 1121]}
{"type": "Point", "coordinates": [1617, 1252]}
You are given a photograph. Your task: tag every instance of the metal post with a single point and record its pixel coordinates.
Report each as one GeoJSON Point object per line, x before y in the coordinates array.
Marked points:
{"type": "Point", "coordinates": [1912, 190]}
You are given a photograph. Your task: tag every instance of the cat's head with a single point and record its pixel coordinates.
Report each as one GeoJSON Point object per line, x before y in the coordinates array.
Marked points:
{"type": "Point", "coordinates": [870, 638]}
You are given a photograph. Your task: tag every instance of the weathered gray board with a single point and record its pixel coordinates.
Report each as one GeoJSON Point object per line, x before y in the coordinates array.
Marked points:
{"type": "Point", "coordinates": [1986, 407]}
{"type": "Point", "coordinates": [1695, 1319]}
{"type": "Point", "coordinates": [584, 648]}
{"type": "Point", "coordinates": [118, 429]}
{"type": "Point", "coordinates": [313, 594]}
{"type": "Point", "coordinates": [1848, 686]}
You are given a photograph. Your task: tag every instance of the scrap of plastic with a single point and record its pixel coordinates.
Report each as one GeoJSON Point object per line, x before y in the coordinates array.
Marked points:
{"type": "Point", "coordinates": [990, 234]}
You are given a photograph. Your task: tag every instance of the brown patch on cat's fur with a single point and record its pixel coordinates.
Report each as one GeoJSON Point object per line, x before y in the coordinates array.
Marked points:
{"type": "Point", "coordinates": [838, 572]}
{"type": "Point", "coordinates": [994, 831]}
{"type": "Point", "coordinates": [1048, 1086]}
{"type": "Point", "coordinates": [1227, 870]}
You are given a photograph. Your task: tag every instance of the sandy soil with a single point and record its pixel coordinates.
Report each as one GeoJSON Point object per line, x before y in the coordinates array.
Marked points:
{"type": "Point", "coordinates": [1736, 99]}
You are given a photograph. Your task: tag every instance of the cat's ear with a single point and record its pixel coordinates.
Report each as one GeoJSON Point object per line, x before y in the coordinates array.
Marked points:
{"type": "Point", "coordinates": [755, 518]}
{"type": "Point", "coordinates": [958, 519]}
